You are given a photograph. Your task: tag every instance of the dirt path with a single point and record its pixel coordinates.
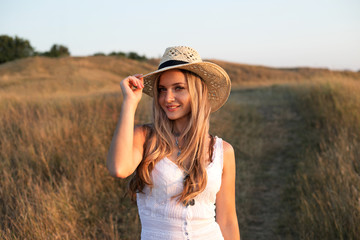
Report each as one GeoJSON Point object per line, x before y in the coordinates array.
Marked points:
{"type": "Point", "coordinates": [270, 164]}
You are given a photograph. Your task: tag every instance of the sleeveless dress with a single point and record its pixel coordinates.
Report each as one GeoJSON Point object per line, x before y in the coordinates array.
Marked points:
{"type": "Point", "coordinates": [163, 218]}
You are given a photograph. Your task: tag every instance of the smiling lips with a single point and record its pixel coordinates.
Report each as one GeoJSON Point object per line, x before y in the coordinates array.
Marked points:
{"type": "Point", "coordinates": [172, 108]}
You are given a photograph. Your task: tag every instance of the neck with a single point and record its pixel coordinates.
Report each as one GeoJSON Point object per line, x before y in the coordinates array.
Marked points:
{"type": "Point", "coordinates": [180, 125]}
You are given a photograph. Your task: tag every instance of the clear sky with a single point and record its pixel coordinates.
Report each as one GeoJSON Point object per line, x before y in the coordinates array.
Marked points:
{"type": "Point", "coordinates": [278, 33]}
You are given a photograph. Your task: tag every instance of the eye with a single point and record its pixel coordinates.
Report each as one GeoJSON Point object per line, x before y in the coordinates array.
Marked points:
{"type": "Point", "coordinates": [161, 89]}
{"type": "Point", "coordinates": [179, 88]}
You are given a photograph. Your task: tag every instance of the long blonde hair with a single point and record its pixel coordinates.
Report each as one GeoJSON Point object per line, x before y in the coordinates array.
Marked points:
{"type": "Point", "coordinates": [160, 142]}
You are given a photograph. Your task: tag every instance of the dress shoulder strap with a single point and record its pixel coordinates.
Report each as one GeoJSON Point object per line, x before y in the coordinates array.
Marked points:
{"type": "Point", "coordinates": [219, 151]}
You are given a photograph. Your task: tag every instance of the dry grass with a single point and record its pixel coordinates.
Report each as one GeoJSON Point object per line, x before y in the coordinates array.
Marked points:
{"type": "Point", "coordinates": [58, 117]}
{"type": "Point", "coordinates": [249, 75]}
{"type": "Point", "coordinates": [41, 77]}
{"type": "Point", "coordinates": [53, 181]}
{"type": "Point", "coordinates": [327, 181]}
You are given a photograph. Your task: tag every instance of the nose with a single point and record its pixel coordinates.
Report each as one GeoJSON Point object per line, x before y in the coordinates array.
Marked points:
{"type": "Point", "coordinates": [169, 96]}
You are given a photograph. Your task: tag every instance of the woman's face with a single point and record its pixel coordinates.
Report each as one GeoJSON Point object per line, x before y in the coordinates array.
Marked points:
{"type": "Point", "coordinates": [174, 97]}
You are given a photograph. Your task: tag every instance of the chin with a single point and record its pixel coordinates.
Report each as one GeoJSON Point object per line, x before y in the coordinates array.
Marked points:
{"type": "Point", "coordinates": [179, 114]}
{"type": "Point", "coordinates": [172, 117]}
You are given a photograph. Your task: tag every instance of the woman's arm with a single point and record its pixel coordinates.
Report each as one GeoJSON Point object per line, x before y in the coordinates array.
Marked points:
{"type": "Point", "coordinates": [225, 199]}
{"type": "Point", "coordinates": [126, 147]}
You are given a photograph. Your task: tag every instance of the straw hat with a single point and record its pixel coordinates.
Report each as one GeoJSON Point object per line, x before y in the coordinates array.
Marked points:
{"type": "Point", "coordinates": [216, 79]}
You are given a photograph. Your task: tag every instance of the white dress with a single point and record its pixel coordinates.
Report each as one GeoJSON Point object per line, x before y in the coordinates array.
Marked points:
{"type": "Point", "coordinates": [163, 218]}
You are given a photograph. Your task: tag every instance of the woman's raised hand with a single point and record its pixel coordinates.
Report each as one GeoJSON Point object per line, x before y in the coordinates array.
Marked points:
{"type": "Point", "coordinates": [132, 87]}
{"type": "Point", "coordinates": [125, 151]}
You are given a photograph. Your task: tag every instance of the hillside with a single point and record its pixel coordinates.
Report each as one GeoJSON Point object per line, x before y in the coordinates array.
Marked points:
{"type": "Point", "coordinates": [71, 75]}
{"type": "Point", "coordinates": [242, 74]}
{"type": "Point", "coordinates": [83, 75]}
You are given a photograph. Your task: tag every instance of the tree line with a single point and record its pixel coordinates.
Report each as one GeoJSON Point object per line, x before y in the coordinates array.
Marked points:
{"type": "Point", "coordinates": [15, 48]}
{"type": "Point", "coordinates": [130, 55]}
{"type": "Point", "coordinates": [12, 48]}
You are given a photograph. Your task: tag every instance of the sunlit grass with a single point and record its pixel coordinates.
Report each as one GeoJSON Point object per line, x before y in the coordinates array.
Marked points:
{"type": "Point", "coordinates": [55, 131]}
{"type": "Point", "coordinates": [54, 183]}
{"type": "Point", "coordinates": [328, 179]}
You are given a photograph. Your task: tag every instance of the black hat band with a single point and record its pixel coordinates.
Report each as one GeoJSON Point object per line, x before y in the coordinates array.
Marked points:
{"type": "Point", "coordinates": [171, 63]}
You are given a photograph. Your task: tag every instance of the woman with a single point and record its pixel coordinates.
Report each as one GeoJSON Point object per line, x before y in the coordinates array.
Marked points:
{"type": "Point", "coordinates": [181, 171]}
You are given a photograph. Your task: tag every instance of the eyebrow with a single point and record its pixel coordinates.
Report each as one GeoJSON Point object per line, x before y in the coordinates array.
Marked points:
{"type": "Point", "coordinates": [178, 83]}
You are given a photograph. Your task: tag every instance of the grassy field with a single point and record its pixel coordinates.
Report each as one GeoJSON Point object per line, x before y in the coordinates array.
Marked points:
{"type": "Point", "coordinates": [327, 180]}
{"type": "Point", "coordinates": [295, 133]}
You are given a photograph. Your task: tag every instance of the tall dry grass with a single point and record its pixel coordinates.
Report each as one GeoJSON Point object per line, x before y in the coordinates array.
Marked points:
{"type": "Point", "coordinates": [55, 131]}
{"type": "Point", "coordinates": [54, 184]}
{"type": "Point", "coordinates": [327, 180]}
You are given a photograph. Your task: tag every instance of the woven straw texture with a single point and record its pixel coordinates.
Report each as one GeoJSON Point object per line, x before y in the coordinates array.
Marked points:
{"type": "Point", "coordinates": [216, 79]}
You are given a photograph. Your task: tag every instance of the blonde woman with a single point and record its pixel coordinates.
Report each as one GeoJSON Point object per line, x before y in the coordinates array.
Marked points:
{"type": "Point", "coordinates": [183, 178]}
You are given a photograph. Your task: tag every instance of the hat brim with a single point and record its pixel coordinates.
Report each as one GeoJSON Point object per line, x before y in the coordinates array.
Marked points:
{"type": "Point", "coordinates": [215, 77]}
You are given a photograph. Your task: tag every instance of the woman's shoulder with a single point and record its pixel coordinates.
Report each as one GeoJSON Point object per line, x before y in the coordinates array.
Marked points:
{"type": "Point", "coordinates": [227, 147]}
{"type": "Point", "coordinates": [228, 150]}
{"type": "Point", "coordinates": [228, 156]}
